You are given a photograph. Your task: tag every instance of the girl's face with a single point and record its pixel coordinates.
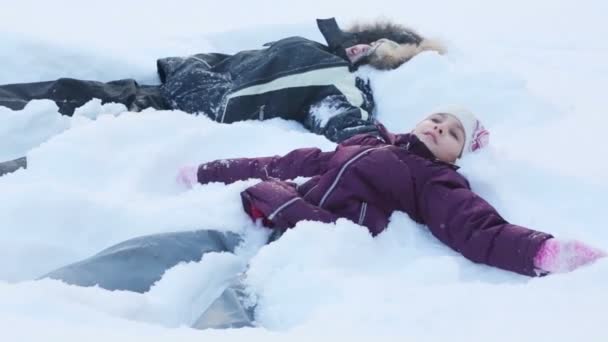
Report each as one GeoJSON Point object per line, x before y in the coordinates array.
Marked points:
{"type": "Point", "coordinates": [443, 134]}
{"type": "Point", "coordinates": [357, 52]}
{"type": "Point", "coordinates": [374, 52]}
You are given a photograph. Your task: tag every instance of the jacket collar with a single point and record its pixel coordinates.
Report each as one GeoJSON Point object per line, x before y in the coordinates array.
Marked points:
{"type": "Point", "coordinates": [337, 40]}
{"type": "Point", "coordinates": [334, 36]}
{"type": "Point", "coordinates": [411, 143]}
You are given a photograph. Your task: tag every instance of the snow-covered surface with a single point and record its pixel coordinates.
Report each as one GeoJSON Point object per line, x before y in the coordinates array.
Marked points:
{"type": "Point", "coordinates": [535, 72]}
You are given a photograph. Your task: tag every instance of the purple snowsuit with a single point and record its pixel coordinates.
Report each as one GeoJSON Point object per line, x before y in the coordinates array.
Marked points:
{"type": "Point", "coordinates": [367, 178]}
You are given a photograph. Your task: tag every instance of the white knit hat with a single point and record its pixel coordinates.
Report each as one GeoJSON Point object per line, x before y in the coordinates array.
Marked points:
{"type": "Point", "coordinates": [476, 136]}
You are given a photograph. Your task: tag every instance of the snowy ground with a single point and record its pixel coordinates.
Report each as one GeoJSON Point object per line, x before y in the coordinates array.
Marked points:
{"type": "Point", "coordinates": [535, 72]}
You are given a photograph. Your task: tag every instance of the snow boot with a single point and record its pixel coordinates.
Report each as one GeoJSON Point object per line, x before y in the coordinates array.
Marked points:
{"type": "Point", "coordinates": [12, 165]}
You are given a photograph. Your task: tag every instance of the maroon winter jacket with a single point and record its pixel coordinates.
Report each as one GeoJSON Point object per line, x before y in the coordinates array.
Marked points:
{"type": "Point", "coordinates": [367, 178]}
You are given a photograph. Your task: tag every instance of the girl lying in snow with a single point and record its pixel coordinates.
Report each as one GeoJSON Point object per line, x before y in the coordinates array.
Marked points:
{"type": "Point", "coordinates": [368, 177]}
{"type": "Point", "coordinates": [364, 180]}
{"type": "Point", "coordinates": [292, 78]}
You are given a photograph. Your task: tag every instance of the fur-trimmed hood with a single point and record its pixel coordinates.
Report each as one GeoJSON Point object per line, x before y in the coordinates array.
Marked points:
{"type": "Point", "coordinates": [410, 43]}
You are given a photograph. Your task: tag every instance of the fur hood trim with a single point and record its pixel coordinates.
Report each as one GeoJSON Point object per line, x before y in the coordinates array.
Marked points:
{"type": "Point", "coordinates": [411, 42]}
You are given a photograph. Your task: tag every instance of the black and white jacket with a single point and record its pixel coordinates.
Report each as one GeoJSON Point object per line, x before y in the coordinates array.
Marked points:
{"type": "Point", "coordinates": [292, 78]}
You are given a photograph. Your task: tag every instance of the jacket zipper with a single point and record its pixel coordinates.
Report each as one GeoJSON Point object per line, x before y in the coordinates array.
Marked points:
{"type": "Point", "coordinates": [333, 185]}
{"type": "Point", "coordinates": [224, 108]}
{"type": "Point", "coordinates": [362, 213]}
{"type": "Point", "coordinates": [309, 191]}
{"type": "Point", "coordinates": [283, 206]}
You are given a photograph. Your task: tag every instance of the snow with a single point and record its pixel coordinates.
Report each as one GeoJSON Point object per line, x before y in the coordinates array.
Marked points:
{"type": "Point", "coordinates": [534, 72]}
{"type": "Point", "coordinates": [325, 110]}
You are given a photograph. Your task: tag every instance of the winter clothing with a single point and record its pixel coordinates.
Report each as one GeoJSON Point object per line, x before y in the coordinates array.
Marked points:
{"type": "Point", "coordinates": [12, 165]}
{"type": "Point", "coordinates": [410, 43]}
{"type": "Point", "coordinates": [136, 264]}
{"type": "Point", "coordinates": [229, 310]}
{"type": "Point", "coordinates": [475, 134]}
{"type": "Point", "coordinates": [292, 78]}
{"type": "Point", "coordinates": [367, 178]}
{"type": "Point", "coordinates": [69, 94]}
{"type": "Point", "coordinates": [558, 256]}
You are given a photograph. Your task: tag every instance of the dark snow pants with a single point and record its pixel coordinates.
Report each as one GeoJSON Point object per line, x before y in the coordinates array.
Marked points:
{"type": "Point", "coordinates": [69, 94]}
{"type": "Point", "coordinates": [136, 264]}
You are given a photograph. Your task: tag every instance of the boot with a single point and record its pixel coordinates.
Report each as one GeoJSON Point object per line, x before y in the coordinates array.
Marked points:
{"type": "Point", "coordinates": [229, 310]}
{"type": "Point", "coordinates": [12, 165]}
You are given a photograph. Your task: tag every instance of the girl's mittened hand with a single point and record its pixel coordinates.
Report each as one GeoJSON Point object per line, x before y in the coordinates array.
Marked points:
{"type": "Point", "coordinates": [556, 256]}
{"type": "Point", "coordinates": [187, 176]}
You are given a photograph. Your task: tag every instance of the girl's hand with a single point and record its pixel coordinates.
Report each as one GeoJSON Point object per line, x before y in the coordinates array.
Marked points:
{"type": "Point", "coordinates": [556, 256]}
{"type": "Point", "coordinates": [187, 176]}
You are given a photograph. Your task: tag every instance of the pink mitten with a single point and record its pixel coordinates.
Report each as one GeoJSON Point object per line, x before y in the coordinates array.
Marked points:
{"type": "Point", "coordinates": [187, 176]}
{"type": "Point", "coordinates": [556, 256]}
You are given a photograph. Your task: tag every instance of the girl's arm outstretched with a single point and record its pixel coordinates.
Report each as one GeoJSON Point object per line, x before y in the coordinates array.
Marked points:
{"type": "Point", "coordinates": [305, 162]}
{"type": "Point", "coordinates": [470, 225]}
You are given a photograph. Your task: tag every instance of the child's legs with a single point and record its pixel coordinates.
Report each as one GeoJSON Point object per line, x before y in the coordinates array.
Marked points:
{"type": "Point", "coordinates": [227, 311]}
{"type": "Point", "coordinates": [69, 94]}
{"type": "Point", "coordinates": [136, 264]}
